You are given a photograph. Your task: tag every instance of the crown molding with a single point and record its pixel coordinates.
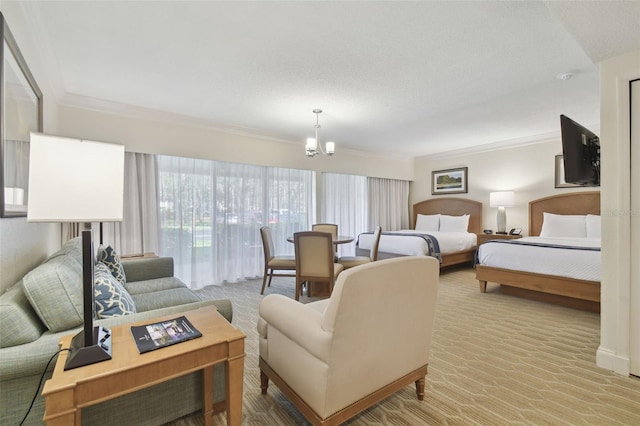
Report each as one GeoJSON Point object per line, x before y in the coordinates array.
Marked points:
{"type": "Point", "coordinates": [495, 146]}
{"type": "Point", "coordinates": [505, 144]}
{"type": "Point", "coordinates": [132, 111]}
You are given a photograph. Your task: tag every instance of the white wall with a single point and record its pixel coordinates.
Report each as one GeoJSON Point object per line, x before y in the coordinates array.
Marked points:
{"type": "Point", "coordinates": [24, 245]}
{"type": "Point", "coordinates": [617, 286]}
{"type": "Point", "coordinates": [528, 170]}
{"type": "Point", "coordinates": [161, 133]}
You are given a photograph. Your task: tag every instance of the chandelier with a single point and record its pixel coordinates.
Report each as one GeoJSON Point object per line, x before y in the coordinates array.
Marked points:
{"type": "Point", "coordinates": [313, 144]}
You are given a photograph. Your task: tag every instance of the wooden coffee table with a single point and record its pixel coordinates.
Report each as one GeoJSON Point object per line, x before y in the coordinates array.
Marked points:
{"type": "Point", "coordinates": [68, 391]}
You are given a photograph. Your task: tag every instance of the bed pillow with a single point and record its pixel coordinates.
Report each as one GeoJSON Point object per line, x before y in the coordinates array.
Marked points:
{"type": "Point", "coordinates": [563, 225]}
{"type": "Point", "coordinates": [454, 223]}
{"type": "Point", "coordinates": [428, 222]}
{"type": "Point", "coordinates": [593, 226]}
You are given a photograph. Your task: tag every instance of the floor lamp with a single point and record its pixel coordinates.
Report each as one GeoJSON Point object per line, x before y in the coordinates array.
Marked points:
{"type": "Point", "coordinates": [73, 180]}
{"type": "Point", "coordinates": [501, 200]}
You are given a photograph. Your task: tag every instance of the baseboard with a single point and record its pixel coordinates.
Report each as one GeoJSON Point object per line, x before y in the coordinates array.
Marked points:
{"type": "Point", "coordinates": [610, 361]}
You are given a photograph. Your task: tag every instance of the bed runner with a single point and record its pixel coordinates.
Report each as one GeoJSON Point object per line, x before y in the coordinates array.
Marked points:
{"type": "Point", "coordinates": [532, 243]}
{"type": "Point", "coordinates": [433, 248]}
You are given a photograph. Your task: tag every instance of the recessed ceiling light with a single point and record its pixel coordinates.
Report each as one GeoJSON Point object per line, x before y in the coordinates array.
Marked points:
{"type": "Point", "coordinates": [564, 76]}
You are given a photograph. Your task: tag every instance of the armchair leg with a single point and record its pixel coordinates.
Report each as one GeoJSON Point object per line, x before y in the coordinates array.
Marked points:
{"type": "Point", "coordinates": [419, 389]}
{"type": "Point", "coordinates": [264, 382]}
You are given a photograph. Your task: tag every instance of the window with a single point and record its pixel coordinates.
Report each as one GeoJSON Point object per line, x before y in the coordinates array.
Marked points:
{"type": "Point", "coordinates": [211, 213]}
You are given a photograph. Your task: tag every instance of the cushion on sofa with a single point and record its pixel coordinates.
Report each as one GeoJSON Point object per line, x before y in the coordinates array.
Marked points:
{"type": "Point", "coordinates": [151, 286]}
{"type": "Point", "coordinates": [19, 324]}
{"type": "Point", "coordinates": [148, 268]}
{"type": "Point", "coordinates": [163, 298]}
{"type": "Point", "coordinates": [54, 289]}
{"type": "Point", "coordinates": [72, 248]}
{"type": "Point", "coordinates": [111, 298]}
{"type": "Point", "coordinates": [109, 257]}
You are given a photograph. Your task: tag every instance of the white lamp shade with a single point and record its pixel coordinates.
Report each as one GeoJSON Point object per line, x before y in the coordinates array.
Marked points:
{"type": "Point", "coordinates": [312, 143]}
{"type": "Point", "coordinates": [73, 180]}
{"type": "Point", "coordinates": [331, 147]}
{"type": "Point", "coordinates": [502, 199]}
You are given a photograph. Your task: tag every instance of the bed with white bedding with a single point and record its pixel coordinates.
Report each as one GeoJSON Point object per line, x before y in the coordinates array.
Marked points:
{"type": "Point", "coordinates": [452, 222]}
{"type": "Point", "coordinates": [405, 243]}
{"type": "Point", "coordinates": [560, 263]}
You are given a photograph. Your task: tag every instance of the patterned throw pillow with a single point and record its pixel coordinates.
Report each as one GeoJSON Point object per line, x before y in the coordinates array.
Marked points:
{"type": "Point", "coordinates": [112, 300]}
{"type": "Point", "coordinates": [109, 257]}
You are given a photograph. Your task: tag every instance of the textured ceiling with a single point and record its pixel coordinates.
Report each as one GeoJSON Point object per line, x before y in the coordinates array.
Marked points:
{"type": "Point", "coordinates": [406, 78]}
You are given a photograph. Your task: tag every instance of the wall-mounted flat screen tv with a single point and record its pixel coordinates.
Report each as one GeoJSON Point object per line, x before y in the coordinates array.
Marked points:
{"type": "Point", "coordinates": [581, 152]}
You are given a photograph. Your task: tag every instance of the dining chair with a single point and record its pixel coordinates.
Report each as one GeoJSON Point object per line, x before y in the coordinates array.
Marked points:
{"type": "Point", "coordinates": [315, 259]}
{"type": "Point", "coordinates": [331, 228]}
{"type": "Point", "coordinates": [272, 262]}
{"type": "Point", "coordinates": [351, 261]}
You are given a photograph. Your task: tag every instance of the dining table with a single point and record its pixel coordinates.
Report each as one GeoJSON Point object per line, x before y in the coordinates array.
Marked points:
{"type": "Point", "coordinates": [340, 239]}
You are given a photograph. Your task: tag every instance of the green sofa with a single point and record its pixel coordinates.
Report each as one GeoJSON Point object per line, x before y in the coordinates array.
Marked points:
{"type": "Point", "coordinates": [47, 304]}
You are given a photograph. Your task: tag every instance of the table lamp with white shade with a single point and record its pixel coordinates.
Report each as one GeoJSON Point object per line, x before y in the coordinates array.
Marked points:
{"type": "Point", "coordinates": [73, 180]}
{"type": "Point", "coordinates": [501, 200]}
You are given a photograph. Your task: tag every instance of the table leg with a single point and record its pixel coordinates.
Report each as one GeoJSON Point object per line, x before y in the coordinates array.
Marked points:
{"type": "Point", "coordinates": [235, 373]}
{"type": "Point", "coordinates": [64, 419]}
{"type": "Point", "coordinates": [207, 403]}
{"type": "Point", "coordinates": [60, 409]}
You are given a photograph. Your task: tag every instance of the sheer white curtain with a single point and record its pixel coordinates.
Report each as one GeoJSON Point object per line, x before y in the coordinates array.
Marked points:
{"type": "Point", "coordinates": [211, 213]}
{"type": "Point", "coordinates": [388, 203]}
{"type": "Point", "coordinates": [138, 232]}
{"type": "Point", "coordinates": [344, 202]}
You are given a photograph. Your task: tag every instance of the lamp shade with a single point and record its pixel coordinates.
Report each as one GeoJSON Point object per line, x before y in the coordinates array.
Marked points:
{"type": "Point", "coordinates": [331, 148]}
{"type": "Point", "coordinates": [312, 143]}
{"type": "Point", "coordinates": [502, 199]}
{"type": "Point", "coordinates": [74, 180]}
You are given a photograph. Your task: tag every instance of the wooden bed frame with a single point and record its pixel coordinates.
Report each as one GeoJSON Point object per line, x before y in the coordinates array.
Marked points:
{"type": "Point", "coordinates": [453, 207]}
{"type": "Point", "coordinates": [569, 292]}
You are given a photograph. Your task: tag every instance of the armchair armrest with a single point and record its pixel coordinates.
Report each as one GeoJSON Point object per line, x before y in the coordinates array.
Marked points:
{"type": "Point", "coordinates": [297, 322]}
{"type": "Point", "coordinates": [148, 268]}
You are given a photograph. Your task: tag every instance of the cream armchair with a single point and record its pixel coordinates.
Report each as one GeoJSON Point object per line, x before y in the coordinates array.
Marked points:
{"type": "Point", "coordinates": [336, 357]}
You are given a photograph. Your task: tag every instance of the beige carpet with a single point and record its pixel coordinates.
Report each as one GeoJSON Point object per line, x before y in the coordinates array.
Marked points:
{"type": "Point", "coordinates": [495, 360]}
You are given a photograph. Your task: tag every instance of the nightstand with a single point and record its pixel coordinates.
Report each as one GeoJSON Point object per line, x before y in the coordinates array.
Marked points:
{"type": "Point", "coordinates": [483, 238]}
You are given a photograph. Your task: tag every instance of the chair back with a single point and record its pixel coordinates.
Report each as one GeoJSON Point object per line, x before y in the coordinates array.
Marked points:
{"type": "Point", "coordinates": [267, 243]}
{"type": "Point", "coordinates": [331, 228]}
{"type": "Point", "coordinates": [314, 256]}
{"type": "Point", "coordinates": [373, 254]}
{"type": "Point", "coordinates": [379, 314]}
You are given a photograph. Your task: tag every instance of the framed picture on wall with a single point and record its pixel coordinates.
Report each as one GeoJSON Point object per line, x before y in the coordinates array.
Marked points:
{"type": "Point", "coordinates": [559, 181]}
{"type": "Point", "coordinates": [450, 181]}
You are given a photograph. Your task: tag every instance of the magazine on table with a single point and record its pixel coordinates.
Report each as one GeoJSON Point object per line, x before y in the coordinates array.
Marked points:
{"type": "Point", "coordinates": [163, 333]}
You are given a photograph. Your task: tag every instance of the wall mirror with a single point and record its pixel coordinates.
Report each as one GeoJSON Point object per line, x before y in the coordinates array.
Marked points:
{"type": "Point", "coordinates": [20, 114]}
